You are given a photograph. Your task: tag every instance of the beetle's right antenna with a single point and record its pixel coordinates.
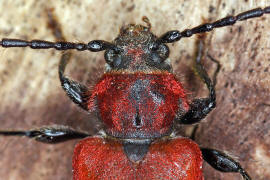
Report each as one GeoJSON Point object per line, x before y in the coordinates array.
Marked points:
{"type": "Point", "coordinates": [94, 46]}
{"type": "Point", "coordinates": [175, 35]}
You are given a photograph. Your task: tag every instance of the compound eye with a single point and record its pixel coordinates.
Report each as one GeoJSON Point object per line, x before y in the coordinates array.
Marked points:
{"type": "Point", "coordinates": [113, 57]}
{"type": "Point", "coordinates": [159, 52]}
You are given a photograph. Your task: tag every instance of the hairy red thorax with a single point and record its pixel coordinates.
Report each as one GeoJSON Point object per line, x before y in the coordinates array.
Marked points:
{"type": "Point", "coordinates": [138, 105]}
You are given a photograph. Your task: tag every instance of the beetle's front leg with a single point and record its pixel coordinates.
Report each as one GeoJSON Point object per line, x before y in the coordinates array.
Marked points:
{"type": "Point", "coordinates": [199, 108]}
{"type": "Point", "coordinates": [76, 91]}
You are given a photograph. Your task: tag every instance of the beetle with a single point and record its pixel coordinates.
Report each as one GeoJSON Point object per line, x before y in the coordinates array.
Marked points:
{"type": "Point", "coordinates": [97, 43]}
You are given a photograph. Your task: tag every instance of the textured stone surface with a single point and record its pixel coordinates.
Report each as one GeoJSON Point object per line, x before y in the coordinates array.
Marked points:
{"type": "Point", "coordinates": [31, 95]}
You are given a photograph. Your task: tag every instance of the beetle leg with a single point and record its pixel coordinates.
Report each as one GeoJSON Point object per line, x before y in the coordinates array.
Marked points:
{"type": "Point", "coordinates": [222, 162]}
{"type": "Point", "coordinates": [199, 108]}
{"type": "Point", "coordinates": [77, 92]}
{"type": "Point", "coordinates": [49, 134]}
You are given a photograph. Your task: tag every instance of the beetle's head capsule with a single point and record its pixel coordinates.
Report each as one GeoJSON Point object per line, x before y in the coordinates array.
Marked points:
{"type": "Point", "coordinates": [138, 49]}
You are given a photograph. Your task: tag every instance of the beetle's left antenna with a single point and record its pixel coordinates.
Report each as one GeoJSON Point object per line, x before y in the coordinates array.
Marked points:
{"type": "Point", "coordinates": [94, 46]}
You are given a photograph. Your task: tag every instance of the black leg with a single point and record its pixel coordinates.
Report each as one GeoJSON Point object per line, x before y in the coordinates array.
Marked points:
{"type": "Point", "coordinates": [49, 134]}
{"type": "Point", "coordinates": [199, 108]}
{"type": "Point", "coordinates": [77, 92]}
{"type": "Point", "coordinates": [222, 162]}
{"type": "Point", "coordinates": [175, 35]}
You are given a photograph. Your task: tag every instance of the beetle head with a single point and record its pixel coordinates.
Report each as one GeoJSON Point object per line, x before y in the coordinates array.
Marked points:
{"type": "Point", "coordinates": [137, 49]}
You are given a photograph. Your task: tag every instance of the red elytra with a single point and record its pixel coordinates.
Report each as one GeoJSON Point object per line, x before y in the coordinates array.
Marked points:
{"type": "Point", "coordinates": [99, 158]}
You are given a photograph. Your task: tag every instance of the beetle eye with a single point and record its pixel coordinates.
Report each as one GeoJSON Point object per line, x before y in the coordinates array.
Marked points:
{"type": "Point", "coordinates": [113, 57]}
{"type": "Point", "coordinates": [159, 52]}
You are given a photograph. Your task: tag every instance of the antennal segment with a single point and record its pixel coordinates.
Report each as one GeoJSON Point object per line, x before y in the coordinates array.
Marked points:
{"type": "Point", "coordinates": [94, 46]}
{"type": "Point", "coordinates": [175, 35]}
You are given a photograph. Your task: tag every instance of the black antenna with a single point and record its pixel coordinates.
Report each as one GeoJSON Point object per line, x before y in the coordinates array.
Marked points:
{"type": "Point", "coordinates": [175, 35]}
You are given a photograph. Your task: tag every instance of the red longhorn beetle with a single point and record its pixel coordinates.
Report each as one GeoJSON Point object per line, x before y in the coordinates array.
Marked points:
{"type": "Point", "coordinates": [139, 100]}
